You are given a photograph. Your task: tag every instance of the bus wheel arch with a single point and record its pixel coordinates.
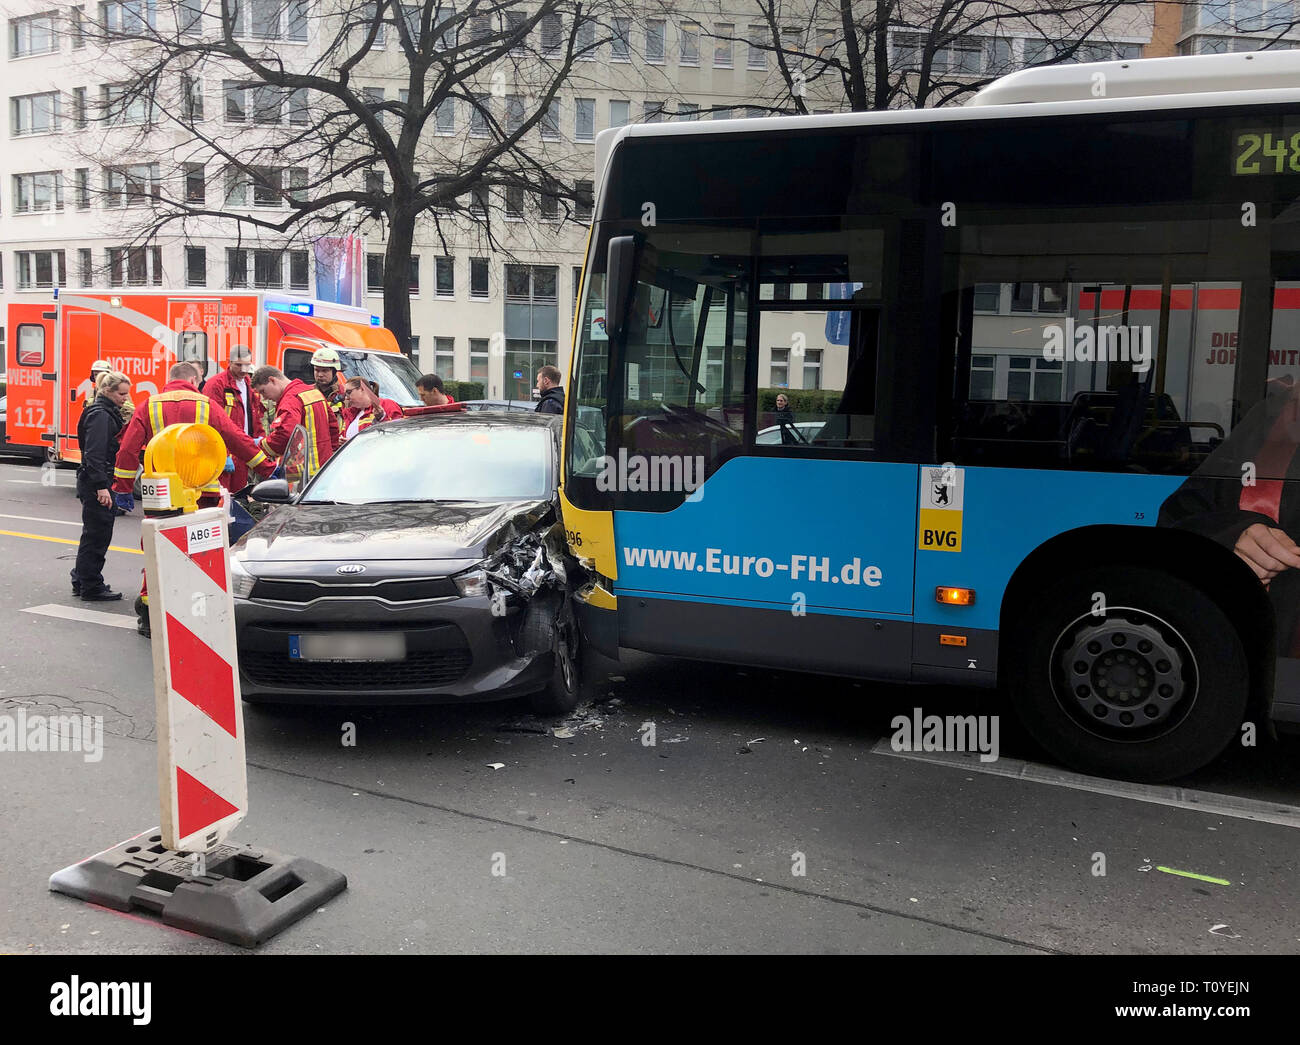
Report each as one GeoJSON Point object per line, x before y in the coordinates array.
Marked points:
{"type": "Point", "coordinates": [1205, 596]}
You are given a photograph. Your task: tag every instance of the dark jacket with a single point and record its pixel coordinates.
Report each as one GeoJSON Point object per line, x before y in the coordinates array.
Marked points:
{"type": "Point", "coordinates": [785, 418]}
{"type": "Point", "coordinates": [552, 401]}
{"type": "Point", "coordinates": [99, 430]}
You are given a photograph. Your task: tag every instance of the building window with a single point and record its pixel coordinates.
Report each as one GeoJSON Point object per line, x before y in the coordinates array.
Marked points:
{"type": "Point", "coordinates": [192, 98]}
{"type": "Point", "coordinates": [550, 122]}
{"type": "Point", "coordinates": [135, 266]}
{"type": "Point", "coordinates": [123, 105]}
{"type": "Point", "coordinates": [298, 270]}
{"type": "Point", "coordinates": [234, 94]}
{"type": "Point", "coordinates": [189, 17]}
{"type": "Point", "coordinates": [478, 277]}
{"type": "Point", "coordinates": [39, 268]}
{"type": "Point", "coordinates": [548, 206]}
{"type": "Point", "coordinates": [444, 356]}
{"type": "Point", "coordinates": [132, 185]}
{"type": "Point", "coordinates": [85, 266]}
{"type": "Point", "coordinates": [79, 107]}
{"type": "Point", "coordinates": [515, 24]}
{"type": "Point", "coordinates": [375, 273]}
{"type": "Point", "coordinates": [584, 110]}
{"type": "Point", "coordinates": [478, 200]}
{"type": "Point", "coordinates": [779, 371]}
{"type": "Point", "coordinates": [374, 98]}
{"type": "Point", "coordinates": [812, 368]}
{"type": "Point", "coordinates": [268, 19]}
{"type": "Point", "coordinates": [584, 41]}
{"type": "Point", "coordinates": [722, 45]}
{"type": "Point", "coordinates": [78, 15]}
{"type": "Point", "coordinates": [1034, 378]}
{"type": "Point", "coordinates": [690, 52]}
{"type": "Point", "coordinates": [478, 116]}
{"type": "Point", "coordinates": [983, 373]}
{"type": "Point", "coordinates": [988, 297]}
{"type": "Point", "coordinates": [195, 183]}
{"type": "Point", "coordinates": [756, 57]}
{"type": "Point", "coordinates": [582, 208]}
{"type": "Point", "coordinates": [196, 266]}
{"type": "Point", "coordinates": [413, 348]}
{"type": "Point", "coordinates": [654, 40]}
{"type": "Point", "coordinates": [413, 276]}
{"type": "Point", "coordinates": [37, 193]}
{"type": "Point", "coordinates": [723, 112]}
{"type": "Point", "coordinates": [446, 117]}
{"type": "Point", "coordinates": [82, 175]}
{"type": "Point", "coordinates": [128, 17]}
{"type": "Point", "coordinates": [1038, 297]}
{"type": "Point", "coordinates": [552, 35]}
{"type": "Point", "coordinates": [654, 111]}
{"type": "Point", "coordinates": [514, 202]}
{"type": "Point", "coordinates": [268, 269]}
{"type": "Point", "coordinates": [478, 359]}
{"type": "Point", "coordinates": [620, 113]}
{"type": "Point", "coordinates": [514, 112]}
{"type": "Point", "coordinates": [298, 112]}
{"type": "Point", "coordinates": [444, 277]}
{"type": "Point", "coordinates": [688, 111]}
{"type": "Point", "coordinates": [577, 285]}
{"type": "Point", "coordinates": [236, 267]}
{"type": "Point", "coordinates": [620, 43]}
{"type": "Point", "coordinates": [35, 34]}
{"type": "Point", "coordinates": [34, 113]}
{"type": "Point", "coordinates": [375, 182]}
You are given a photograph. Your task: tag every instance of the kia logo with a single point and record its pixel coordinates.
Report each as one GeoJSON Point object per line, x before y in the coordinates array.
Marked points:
{"type": "Point", "coordinates": [352, 567]}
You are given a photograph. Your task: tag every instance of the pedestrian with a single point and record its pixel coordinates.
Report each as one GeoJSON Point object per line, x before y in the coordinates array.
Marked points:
{"type": "Point", "coordinates": [431, 391]}
{"type": "Point", "coordinates": [179, 402]}
{"type": "Point", "coordinates": [99, 431]}
{"type": "Point", "coordinates": [297, 403]}
{"type": "Point", "coordinates": [233, 393]}
{"type": "Point", "coordinates": [552, 394]}
{"type": "Point", "coordinates": [785, 418]}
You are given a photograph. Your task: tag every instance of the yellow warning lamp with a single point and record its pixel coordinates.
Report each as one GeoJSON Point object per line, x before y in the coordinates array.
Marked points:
{"type": "Point", "coordinates": [955, 596]}
{"type": "Point", "coordinates": [178, 463]}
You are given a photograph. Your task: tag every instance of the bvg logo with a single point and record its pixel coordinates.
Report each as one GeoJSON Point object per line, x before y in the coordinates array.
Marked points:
{"type": "Point", "coordinates": [940, 539]}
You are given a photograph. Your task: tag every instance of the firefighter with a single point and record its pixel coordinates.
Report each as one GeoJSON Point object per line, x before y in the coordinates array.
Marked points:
{"type": "Point", "coordinates": [231, 391]}
{"type": "Point", "coordinates": [180, 401]}
{"type": "Point", "coordinates": [297, 403]}
{"type": "Point", "coordinates": [329, 372]}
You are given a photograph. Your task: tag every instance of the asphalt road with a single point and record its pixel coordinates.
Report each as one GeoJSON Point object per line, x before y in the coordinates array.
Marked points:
{"type": "Point", "coordinates": [609, 844]}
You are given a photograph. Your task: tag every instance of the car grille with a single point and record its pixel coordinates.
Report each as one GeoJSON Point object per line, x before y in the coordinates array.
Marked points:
{"type": "Point", "coordinates": [421, 668]}
{"type": "Point", "coordinates": [392, 591]}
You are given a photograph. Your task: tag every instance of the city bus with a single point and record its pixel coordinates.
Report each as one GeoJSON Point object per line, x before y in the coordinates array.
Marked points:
{"type": "Point", "coordinates": [1039, 359]}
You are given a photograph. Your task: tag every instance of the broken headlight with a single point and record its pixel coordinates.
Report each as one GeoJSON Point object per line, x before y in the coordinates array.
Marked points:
{"type": "Point", "coordinates": [471, 582]}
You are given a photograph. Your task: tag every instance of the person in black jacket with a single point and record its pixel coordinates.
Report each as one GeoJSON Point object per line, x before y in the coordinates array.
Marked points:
{"type": "Point", "coordinates": [548, 384]}
{"type": "Point", "coordinates": [99, 431]}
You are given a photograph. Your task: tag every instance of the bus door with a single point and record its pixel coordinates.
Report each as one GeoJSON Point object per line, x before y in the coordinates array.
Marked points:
{"type": "Point", "coordinates": [32, 377]}
{"type": "Point", "coordinates": [793, 542]}
{"type": "Point", "coordinates": [81, 346]}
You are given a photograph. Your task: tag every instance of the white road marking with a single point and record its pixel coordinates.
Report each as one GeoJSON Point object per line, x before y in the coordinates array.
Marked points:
{"type": "Point", "coordinates": [113, 620]}
{"type": "Point", "coordinates": [1157, 794]}
{"type": "Point", "coordinates": [38, 518]}
{"type": "Point", "coordinates": [38, 482]}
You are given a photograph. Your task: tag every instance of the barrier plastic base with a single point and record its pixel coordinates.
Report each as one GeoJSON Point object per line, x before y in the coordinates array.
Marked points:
{"type": "Point", "coordinates": [246, 896]}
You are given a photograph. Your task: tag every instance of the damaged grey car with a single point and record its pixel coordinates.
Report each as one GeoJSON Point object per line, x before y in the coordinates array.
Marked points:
{"type": "Point", "coordinates": [425, 563]}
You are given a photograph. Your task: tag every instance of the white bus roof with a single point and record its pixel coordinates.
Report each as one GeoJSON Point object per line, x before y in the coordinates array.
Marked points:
{"type": "Point", "coordinates": [1139, 85]}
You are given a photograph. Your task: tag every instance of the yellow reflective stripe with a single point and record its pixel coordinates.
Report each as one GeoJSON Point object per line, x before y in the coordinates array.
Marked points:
{"type": "Point", "coordinates": [313, 455]}
{"type": "Point", "coordinates": [256, 459]}
{"type": "Point", "coordinates": [201, 412]}
{"type": "Point", "coordinates": [155, 415]}
{"type": "Point", "coordinates": [123, 473]}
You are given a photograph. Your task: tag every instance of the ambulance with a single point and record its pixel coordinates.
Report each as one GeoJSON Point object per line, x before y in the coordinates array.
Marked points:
{"type": "Point", "coordinates": [52, 344]}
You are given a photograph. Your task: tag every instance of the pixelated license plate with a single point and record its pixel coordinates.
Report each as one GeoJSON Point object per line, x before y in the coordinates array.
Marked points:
{"type": "Point", "coordinates": [349, 646]}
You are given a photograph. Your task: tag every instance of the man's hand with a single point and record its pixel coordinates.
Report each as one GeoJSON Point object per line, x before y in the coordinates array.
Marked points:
{"type": "Point", "coordinates": [1267, 550]}
{"type": "Point", "coordinates": [124, 502]}
{"type": "Point", "coordinates": [104, 500]}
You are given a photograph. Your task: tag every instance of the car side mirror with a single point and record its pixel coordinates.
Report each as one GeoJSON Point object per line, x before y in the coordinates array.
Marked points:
{"type": "Point", "coordinates": [271, 491]}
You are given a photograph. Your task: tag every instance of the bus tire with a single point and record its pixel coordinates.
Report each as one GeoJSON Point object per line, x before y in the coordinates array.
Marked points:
{"type": "Point", "coordinates": [1154, 686]}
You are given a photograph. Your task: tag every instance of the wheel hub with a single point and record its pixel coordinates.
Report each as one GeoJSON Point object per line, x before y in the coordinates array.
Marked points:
{"type": "Point", "coordinates": [1127, 671]}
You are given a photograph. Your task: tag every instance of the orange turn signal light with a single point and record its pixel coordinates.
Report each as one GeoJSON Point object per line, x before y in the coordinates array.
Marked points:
{"type": "Point", "coordinates": [955, 596]}
{"type": "Point", "coordinates": [952, 640]}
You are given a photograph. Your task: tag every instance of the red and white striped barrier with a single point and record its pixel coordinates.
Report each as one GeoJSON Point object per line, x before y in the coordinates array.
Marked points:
{"type": "Point", "coordinates": [202, 775]}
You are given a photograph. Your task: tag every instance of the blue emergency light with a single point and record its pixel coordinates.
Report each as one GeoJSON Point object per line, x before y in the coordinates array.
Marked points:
{"type": "Point", "coordinates": [374, 321]}
{"type": "Point", "coordinates": [298, 308]}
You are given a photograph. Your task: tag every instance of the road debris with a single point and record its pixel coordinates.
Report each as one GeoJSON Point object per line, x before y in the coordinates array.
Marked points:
{"type": "Point", "coordinates": [495, 765]}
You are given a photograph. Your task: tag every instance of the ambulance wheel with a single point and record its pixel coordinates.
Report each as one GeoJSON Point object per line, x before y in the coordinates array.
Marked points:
{"type": "Point", "coordinates": [564, 689]}
{"type": "Point", "coordinates": [1151, 687]}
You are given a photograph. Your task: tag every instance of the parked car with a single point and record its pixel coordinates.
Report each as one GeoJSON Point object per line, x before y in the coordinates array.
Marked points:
{"type": "Point", "coordinates": [500, 405]}
{"type": "Point", "coordinates": [425, 562]}
{"type": "Point", "coordinates": [803, 432]}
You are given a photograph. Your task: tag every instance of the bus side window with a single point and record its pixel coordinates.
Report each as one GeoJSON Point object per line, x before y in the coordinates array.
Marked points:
{"type": "Point", "coordinates": [297, 365]}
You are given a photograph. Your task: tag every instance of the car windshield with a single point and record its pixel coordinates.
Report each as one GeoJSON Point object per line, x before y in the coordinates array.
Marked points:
{"type": "Point", "coordinates": [395, 374]}
{"type": "Point", "coordinates": [409, 462]}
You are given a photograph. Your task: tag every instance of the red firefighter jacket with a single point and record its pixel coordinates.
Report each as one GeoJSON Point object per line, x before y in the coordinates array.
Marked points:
{"type": "Point", "coordinates": [303, 404]}
{"type": "Point", "coordinates": [177, 403]}
{"type": "Point", "coordinates": [223, 389]}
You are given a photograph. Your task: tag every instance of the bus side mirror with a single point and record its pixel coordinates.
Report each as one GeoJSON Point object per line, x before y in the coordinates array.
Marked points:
{"type": "Point", "coordinates": [620, 271]}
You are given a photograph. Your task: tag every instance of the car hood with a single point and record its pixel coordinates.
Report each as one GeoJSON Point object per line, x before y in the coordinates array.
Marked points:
{"type": "Point", "coordinates": [360, 533]}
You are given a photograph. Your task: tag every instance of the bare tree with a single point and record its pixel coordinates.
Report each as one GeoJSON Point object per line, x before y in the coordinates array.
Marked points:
{"type": "Point", "coordinates": [307, 145]}
{"type": "Point", "coordinates": [882, 54]}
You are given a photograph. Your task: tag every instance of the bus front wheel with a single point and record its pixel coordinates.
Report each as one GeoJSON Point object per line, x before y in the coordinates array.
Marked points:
{"type": "Point", "coordinates": [1126, 672]}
